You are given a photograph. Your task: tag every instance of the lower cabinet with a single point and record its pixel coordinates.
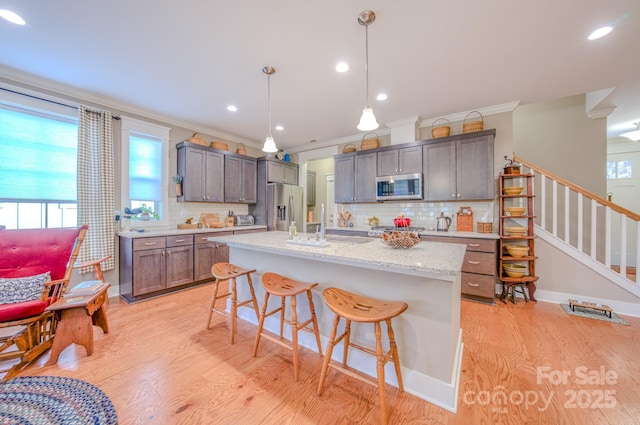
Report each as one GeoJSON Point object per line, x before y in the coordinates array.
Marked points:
{"type": "Point", "coordinates": [207, 253]}
{"type": "Point", "coordinates": [479, 269]}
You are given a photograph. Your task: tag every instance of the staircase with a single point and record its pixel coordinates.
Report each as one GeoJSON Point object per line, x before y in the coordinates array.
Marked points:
{"type": "Point", "coordinates": [590, 229]}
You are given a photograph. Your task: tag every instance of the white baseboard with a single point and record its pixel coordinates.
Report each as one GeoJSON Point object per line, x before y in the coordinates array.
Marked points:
{"type": "Point", "coordinates": [619, 307]}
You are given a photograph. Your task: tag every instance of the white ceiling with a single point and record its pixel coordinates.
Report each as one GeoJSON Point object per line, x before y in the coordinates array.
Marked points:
{"type": "Point", "coordinates": [186, 61]}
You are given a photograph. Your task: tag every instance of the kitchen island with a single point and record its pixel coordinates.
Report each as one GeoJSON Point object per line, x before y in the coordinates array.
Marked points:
{"type": "Point", "coordinates": [426, 277]}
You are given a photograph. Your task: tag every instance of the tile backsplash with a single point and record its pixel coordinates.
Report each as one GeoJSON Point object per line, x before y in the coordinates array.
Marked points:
{"type": "Point", "coordinates": [422, 214]}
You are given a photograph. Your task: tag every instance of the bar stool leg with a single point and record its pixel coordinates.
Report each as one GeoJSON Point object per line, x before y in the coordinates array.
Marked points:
{"type": "Point", "coordinates": [327, 357]}
{"type": "Point", "coordinates": [394, 354]}
{"type": "Point", "coordinates": [380, 369]}
{"type": "Point", "coordinates": [234, 309]}
{"type": "Point", "coordinates": [294, 335]}
{"type": "Point", "coordinates": [261, 323]}
{"type": "Point", "coordinates": [315, 322]}
{"type": "Point", "coordinates": [213, 302]}
{"type": "Point", "coordinates": [253, 296]}
{"type": "Point", "coordinates": [282, 310]}
{"type": "Point", "coordinates": [347, 339]}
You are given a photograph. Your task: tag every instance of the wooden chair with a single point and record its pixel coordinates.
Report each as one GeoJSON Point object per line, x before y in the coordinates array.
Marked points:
{"type": "Point", "coordinates": [224, 272]}
{"type": "Point", "coordinates": [28, 252]}
{"type": "Point", "coordinates": [358, 308]}
{"type": "Point", "coordinates": [283, 287]}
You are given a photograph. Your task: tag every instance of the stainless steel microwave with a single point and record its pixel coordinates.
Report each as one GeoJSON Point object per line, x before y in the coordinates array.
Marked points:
{"type": "Point", "coordinates": [400, 187]}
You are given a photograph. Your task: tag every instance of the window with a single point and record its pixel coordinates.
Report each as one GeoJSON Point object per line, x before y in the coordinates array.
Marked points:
{"type": "Point", "coordinates": [620, 169]}
{"type": "Point", "coordinates": [38, 147]}
{"type": "Point", "coordinates": [145, 170]}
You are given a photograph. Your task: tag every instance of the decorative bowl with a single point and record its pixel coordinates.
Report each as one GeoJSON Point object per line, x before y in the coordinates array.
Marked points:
{"type": "Point", "coordinates": [514, 270]}
{"type": "Point", "coordinates": [514, 190]}
{"type": "Point", "coordinates": [516, 230]}
{"type": "Point", "coordinates": [517, 250]}
{"type": "Point", "coordinates": [515, 211]}
{"type": "Point", "coordinates": [401, 240]}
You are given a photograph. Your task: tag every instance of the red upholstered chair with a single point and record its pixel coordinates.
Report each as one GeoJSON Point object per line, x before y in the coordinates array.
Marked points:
{"type": "Point", "coordinates": [26, 329]}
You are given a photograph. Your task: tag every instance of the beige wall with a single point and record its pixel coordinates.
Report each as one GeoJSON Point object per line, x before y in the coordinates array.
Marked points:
{"type": "Point", "coordinates": [559, 137]}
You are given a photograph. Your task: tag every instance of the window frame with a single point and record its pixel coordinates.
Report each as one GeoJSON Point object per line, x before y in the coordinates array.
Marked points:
{"type": "Point", "coordinates": [132, 125]}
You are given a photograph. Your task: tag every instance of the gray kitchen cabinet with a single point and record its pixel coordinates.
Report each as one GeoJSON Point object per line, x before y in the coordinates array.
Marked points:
{"type": "Point", "coordinates": [311, 188]}
{"type": "Point", "coordinates": [207, 253]}
{"type": "Point", "coordinates": [459, 170]}
{"type": "Point", "coordinates": [202, 172]}
{"type": "Point", "coordinates": [240, 179]}
{"type": "Point", "coordinates": [355, 178]}
{"type": "Point", "coordinates": [282, 172]}
{"type": "Point", "coordinates": [400, 161]}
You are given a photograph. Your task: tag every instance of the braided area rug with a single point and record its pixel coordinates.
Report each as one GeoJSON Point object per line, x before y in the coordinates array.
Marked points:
{"type": "Point", "coordinates": [54, 400]}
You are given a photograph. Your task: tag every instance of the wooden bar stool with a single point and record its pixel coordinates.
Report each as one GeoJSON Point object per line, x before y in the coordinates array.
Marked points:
{"type": "Point", "coordinates": [228, 272]}
{"type": "Point", "coordinates": [358, 308]}
{"type": "Point", "coordinates": [283, 287]}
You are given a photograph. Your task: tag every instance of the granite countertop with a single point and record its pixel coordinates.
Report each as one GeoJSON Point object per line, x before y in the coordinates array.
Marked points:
{"type": "Point", "coordinates": [171, 232]}
{"type": "Point", "coordinates": [449, 234]}
{"type": "Point", "coordinates": [432, 259]}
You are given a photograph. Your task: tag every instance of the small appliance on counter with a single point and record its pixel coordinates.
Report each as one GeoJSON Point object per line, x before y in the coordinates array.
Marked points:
{"type": "Point", "coordinates": [245, 220]}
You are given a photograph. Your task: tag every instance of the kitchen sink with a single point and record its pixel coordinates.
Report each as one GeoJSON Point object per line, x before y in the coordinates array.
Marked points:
{"type": "Point", "coordinates": [348, 239]}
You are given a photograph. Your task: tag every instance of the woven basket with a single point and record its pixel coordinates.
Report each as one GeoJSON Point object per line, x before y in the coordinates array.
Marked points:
{"type": "Point", "coordinates": [369, 142]}
{"type": "Point", "coordinates": [241, 149]}
{"type": "Point", "coordinates": [349, 147]}
{"type": "Point", "coordinates": [473, 126]}
{"type": "Point", "coordinates": [440, 131]}
{"type": "Point", "coordinates": [198, 140]}
{"type": "Point", "coordinates": [220, 145]}
{"type": "Point", "coordinates": [401, 242]}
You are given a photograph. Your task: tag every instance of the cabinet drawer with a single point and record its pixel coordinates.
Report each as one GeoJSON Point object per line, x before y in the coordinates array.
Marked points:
{"type": "Point", "coordinates": [204, 237]}
{"type": "Point", "coordinates": [180, 240]}
{"type": "Point", "coordinates": [141, 244]}
{"type": "Point", "coordinates": [478, 285]}
{"type": "Point", "coordinates": [482, 245]}
{"type": "Point", "coordinates": [479, 262]}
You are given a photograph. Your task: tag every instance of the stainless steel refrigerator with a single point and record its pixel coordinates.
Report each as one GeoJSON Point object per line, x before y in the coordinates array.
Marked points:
{"type": "Point", "coordinates": [283, 204]}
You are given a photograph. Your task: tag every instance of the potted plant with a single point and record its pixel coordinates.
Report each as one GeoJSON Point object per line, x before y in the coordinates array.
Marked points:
{"type": "Point", "coordinates": [511, 167]}
{"type": "Point", "coordinates": [147, 214]}
{"type": "Point", "coordinates": [177, 179]}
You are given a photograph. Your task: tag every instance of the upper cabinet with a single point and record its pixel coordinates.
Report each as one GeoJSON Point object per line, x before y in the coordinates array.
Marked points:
{"type": "Point", "coordinates": [240, 176]}
{"type": "Point", "coordinates": [311, 188]}
{"type": "Point", "coordinates": [202, 174]}
{"type": "Point", "coordinates": [400, 161]}
{"type": "Point", "coordinates": [355, 177]}
{"type": "Point", "coordinates": [209, 175]}
{"type": "Point", "coordinates": [282, 172]}
{"type": "Point", "coordinates": [459, 170]}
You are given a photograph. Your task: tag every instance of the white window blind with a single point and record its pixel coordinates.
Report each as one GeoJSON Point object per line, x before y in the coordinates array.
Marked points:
{"type": "Point", "coordinates": [145, 172]}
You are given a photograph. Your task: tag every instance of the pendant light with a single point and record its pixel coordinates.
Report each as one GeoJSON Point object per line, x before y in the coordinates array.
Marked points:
{"type": "Point", "coordinates": [269, 144]}
{"type": "Point", "coordinates": [633, 135]}
{"type": "Point", "coordinates": [367, 120]}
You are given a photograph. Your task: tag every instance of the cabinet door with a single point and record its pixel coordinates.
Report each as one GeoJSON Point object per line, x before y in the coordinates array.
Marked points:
{"type": "Point", "coordinates": [290, 175]}
{"type": "Point", "coordinates": [275, 172]}
{"type": "Point", "coordinates": [193, 182]}
{"type": "Point", "coordinates": [249, 177]}
{"type": "Point", "coordinates": [410, 160]}
{"type": "Point", "coordinates": [179, 263]}
{"type": "Point", "coordinates": [232, 179]}
{"type": "Point", "coordinates": [365, 177]}
{"type": "Point", "coordinates": [214, 177]}
{"type": "Point", "coordinates": [439, 168]}
{"type": "Point", "coordinates": [345, 173]}
{"type": "Point", "coordinates": [475, 177]}
{"type": "Point", "coordinates": [311, 188]}
{"type": "Point", "coordinates": [149, 271]}
{"type": "Point", "coordinates": [387, 162]}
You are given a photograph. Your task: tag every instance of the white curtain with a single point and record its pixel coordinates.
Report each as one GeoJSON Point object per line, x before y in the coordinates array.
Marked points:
{"type": "Point", "coordinates": [96, 199]}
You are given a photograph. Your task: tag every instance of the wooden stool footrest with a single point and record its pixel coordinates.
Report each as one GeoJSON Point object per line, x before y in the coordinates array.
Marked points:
{"type": "Point", "coordinates": [280, 341]}
{"type": "Point", "coordinates": [353, 373]}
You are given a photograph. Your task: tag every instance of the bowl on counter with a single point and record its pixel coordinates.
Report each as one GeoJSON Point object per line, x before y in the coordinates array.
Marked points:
{"type": "Point", "coordinates": [516, 230]}
{"type": "Point", "coordinates": [517, 250]}
{"type": "Point", "coordinates": [402, 221]}
{"type": "Point", "coordinates": [514, 270]}
{"type": "Point", "coordinates": [514, 211]}
{"type": "Point", "coordinates": [514, 190]}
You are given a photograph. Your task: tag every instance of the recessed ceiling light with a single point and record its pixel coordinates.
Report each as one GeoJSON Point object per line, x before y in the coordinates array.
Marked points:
{"type": "Point", "coordinates": [599, 33]}
{"type": "Point", "coordinates": [279, 127]}
{"type": "Point", "coordinates": [232, 108]}
{"type": "Point", "coordinates": [381, 96]}
{"type": "Point", "coordinates": [342, 67]}
{"type": "Point", "coordinates": [11, 17]}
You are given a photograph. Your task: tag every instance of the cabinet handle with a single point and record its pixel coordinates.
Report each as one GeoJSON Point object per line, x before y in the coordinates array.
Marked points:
{"type": "Point", "coordinates": [473, 262]}
{"type": "Point", "coordinates": [150, 243]}
{"type": "Point", "coordinates": [179, 240]}
{"type": "Point", "coordinates": [458, 195]}
{"type": "Point", "coordinates": [473, 284]}
{"type": "Point", "coordinates": [163, 253]}
{"type": "Point", "coordinates": [168, 252]}
{"type": "Point", "coordinates": [453, 195]}
{"type": "Point", "coordinates": [475, 245]}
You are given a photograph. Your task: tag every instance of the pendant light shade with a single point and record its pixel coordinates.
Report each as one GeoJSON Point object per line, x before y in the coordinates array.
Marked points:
{"type": "Point", "coordinates": [368, 119]}
{"type": "Point", "coordinates": [269, 144]}
{"type": "Point", "coordinates": [633, 135]}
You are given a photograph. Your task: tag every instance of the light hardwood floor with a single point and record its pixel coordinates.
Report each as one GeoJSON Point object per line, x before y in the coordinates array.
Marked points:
{"type": "Point", "coordinates": [160, 365]}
